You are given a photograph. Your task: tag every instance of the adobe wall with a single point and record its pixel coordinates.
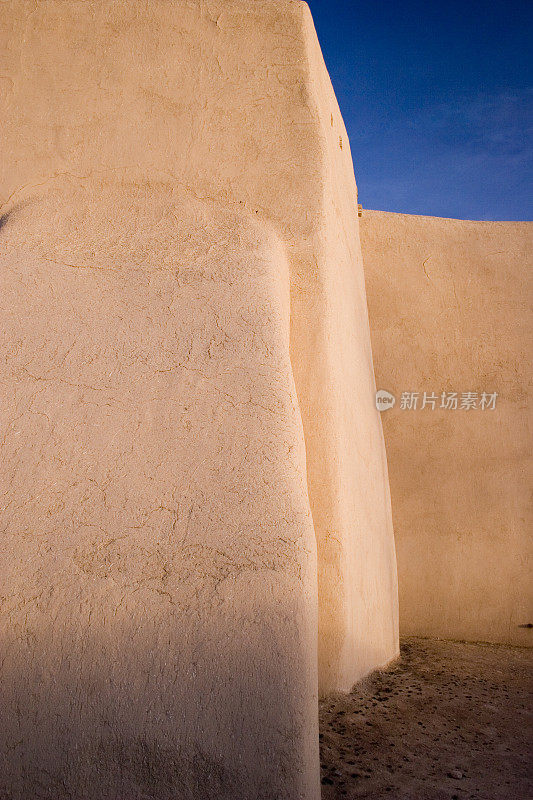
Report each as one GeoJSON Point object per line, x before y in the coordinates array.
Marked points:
{"type": "Point", "coordinates": [193, 469]}
{"type": "Point", "coordinates": [450, 310]}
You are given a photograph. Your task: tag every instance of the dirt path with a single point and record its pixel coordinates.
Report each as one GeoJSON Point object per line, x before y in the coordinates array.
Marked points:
{"type": "Point", "coordinates": [449, 721]}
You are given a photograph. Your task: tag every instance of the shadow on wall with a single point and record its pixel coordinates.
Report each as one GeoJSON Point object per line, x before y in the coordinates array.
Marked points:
{"type": "Point", "coordinates": [7, 215]}
{"type": "Point", "coordinates": [105, 713]}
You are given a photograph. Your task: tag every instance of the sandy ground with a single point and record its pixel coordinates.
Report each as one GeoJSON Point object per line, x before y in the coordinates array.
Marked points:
{"type": "Point", "coordinates": [448, 721]}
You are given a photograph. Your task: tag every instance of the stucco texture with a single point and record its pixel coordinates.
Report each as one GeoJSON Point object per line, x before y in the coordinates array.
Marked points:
{"type": "Point", "coordinates": [193, 472]}
{"type": "Point", "coordinates": [450, 310]}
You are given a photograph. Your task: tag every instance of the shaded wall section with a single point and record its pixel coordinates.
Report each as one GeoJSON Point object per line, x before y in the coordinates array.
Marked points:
{"type": "Point", "coordinates": [196, 513]}
{"type": "Point", "coordinates": [450, 309]}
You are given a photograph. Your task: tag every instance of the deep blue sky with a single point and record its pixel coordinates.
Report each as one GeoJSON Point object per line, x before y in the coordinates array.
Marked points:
{"type": "Point", "coordinates": [437, 98]}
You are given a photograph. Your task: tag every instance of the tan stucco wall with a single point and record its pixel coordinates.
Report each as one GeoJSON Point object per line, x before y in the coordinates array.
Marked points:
{"type": "Point", "coordinates": [189, 446]}
{"type": "Point", "coordinates": [450, 310]}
